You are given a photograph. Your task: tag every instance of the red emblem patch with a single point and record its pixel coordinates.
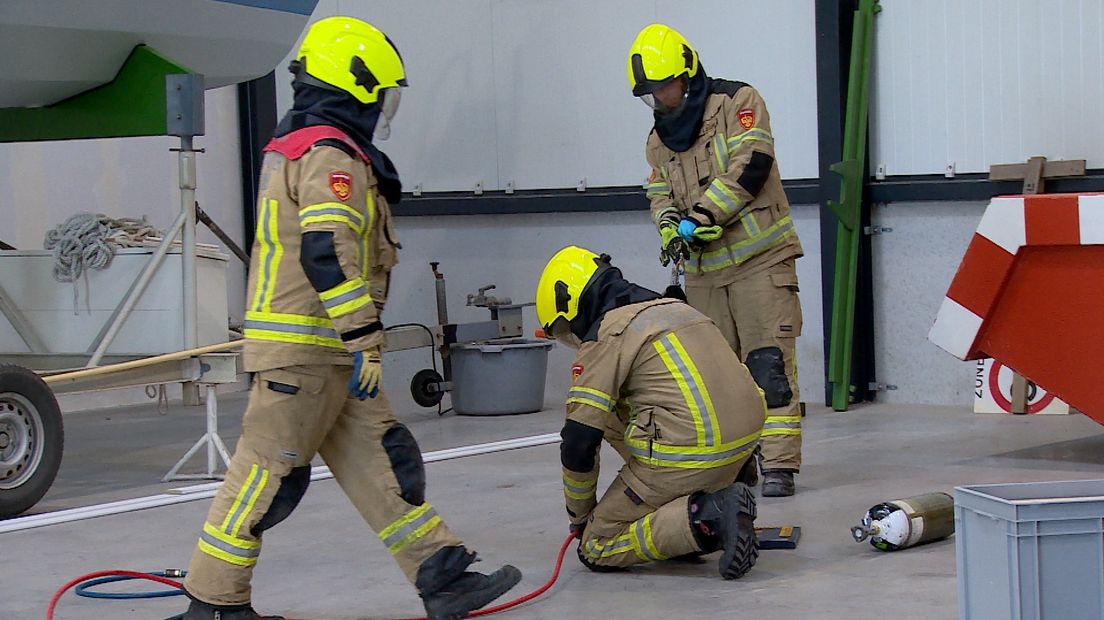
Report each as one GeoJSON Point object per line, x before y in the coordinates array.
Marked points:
{"type": "Point", "coordinates": [341, 184]}
{"type": "Point", "coordinates": [747, 117]}
{"type": "Point", "coordinates": [576, 372]}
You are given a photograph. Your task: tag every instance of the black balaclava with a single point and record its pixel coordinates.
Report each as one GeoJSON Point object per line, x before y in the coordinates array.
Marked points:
{"type": "Point", "coordinates": [314, 105]}
{"type": "Point", "coordinates": [678, 131]}
{"type": "Point", "coordinates": [607, 290]}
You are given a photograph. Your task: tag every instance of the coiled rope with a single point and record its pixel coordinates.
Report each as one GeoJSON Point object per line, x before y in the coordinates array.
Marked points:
{"type": "Point", "coordinates": [88, 241]}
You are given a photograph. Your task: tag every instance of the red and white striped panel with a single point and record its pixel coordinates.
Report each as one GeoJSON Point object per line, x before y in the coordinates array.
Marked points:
{"type": "Point", "coordinates": [1009, 223]}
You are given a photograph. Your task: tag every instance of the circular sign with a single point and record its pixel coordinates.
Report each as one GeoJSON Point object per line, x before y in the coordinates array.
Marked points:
{"type": "Point", "coordinates": [1041, 397]}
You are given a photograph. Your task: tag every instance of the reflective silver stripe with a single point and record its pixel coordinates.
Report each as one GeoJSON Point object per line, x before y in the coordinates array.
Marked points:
{"type": "Point", "coordinates": [245, 499]}
{"type": "Point", "coordinates": [603, 403]}
{"type": "Point", "coordinates": [660, 215]}
{"type": "Point", "coordinates": [310, 330]}
{"type": "Point", "coordinates": [409, 528]}
{"type": "Point", "coordinates": [657, 452]}
{"type": "Point", "coordinates": [354, 221]}
{"type": "Point", "coordinates": [359, 291]}
{"type": "Point", "coordinates": [695, 389]}
{"type": "Point", "coordinates": [720, 147]}
{"type": "Point", "coordinates": [228, 548]}
{"type": "Point", "coordinates": [642, 541]}
{"type": "Point", "coordinates": [579, 490]}
{"type": "Point", "coordinates": [771, 425]}
{"type": "Point", "coordinates": [737, 255]}
{"type": "Point", "coordinates": [270, 254]}
{"type": "Point", "coordinates": [600, 551]}
{"type": "Point", "coordinates": [721, 199]}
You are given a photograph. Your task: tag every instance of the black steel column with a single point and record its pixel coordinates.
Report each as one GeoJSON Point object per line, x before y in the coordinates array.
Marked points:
{"type": "Point", "coordinates": [256, 122]}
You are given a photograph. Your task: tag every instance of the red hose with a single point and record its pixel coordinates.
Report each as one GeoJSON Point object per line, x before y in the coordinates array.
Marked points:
{"type": "Point", "coordinates": [105, 573]}
{"type": "Point", "coordinates": [176, 584]}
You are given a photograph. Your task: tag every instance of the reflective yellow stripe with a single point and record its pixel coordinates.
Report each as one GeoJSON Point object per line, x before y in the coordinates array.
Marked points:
{"type": "Point", "coordinates": [751, 226]}
{"type": "Point", "coordinates": [643, 542]}
{"type": "Point", "coordinates": [752, 135]}
{"type": "Point", "coordinates": [579, 489]}
{"type": "Point", "coordinates": [720, 151]}
{"type": "Point", "coordinates": [271, 251]}
{"type": "Point", "coordinates": [409, 528]}
{"type": "Point", "coordinates": [591, 397]}
{"type": "Point", "coordinates": [292, 328]}
{"type": "Point", "coordinates": [228, 548]}
{"type": "Point", "coordinates": [215, 552]}
{"type": "Point", "coordinates": [366, 238]}
{"type": "Point", "coordinates": [656, 189]}
{"type": "Point", "coordinates": [721, 195]}
{"type": "Point", "coordinates": [741, 251]}
{"type": "Point", "coordinates": [692, 457]}
{"type": "Point", "coordinates": [663, 213]}
{"type": "Point", "coordinates": [243, 504]}
{"type": "Point", "coordinates": [610, 548]}
{"type": "Point", "coordinates": [692, 386]}
{"type": "Point", "coordinates": [346, 297]}
{"type": "Point", "coordinates": [776, 425]}
{"type": "Point", "coordinates": [332, 212]}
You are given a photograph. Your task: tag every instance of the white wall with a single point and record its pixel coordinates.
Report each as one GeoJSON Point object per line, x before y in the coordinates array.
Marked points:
{"type": "Point", "coordinates": [535, 92]}
{"type": "Point", "coordinates": [986, 82]}
{"type": "Point", "coordinates": [511, 250]}
{"type": "Point", "coordinates": [913, 267]}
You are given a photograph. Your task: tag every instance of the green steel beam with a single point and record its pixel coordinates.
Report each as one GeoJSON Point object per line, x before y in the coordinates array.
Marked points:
{"type": "Point", "coordinates": [849, 207]}
{"type": "Point", "coordinates": [132, 104]}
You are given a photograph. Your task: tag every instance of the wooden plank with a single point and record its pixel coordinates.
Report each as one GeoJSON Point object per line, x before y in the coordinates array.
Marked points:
{"type": "Point", "coordinates": [1052, 169]}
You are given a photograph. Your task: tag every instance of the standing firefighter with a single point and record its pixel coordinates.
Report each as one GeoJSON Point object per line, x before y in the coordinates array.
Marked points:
{"type": "Point", "coordinates": [718, 203]}
{"type": "Point", "coordinates": [317, 284]}
{"type": "Point", "coordinates": [655, 378]}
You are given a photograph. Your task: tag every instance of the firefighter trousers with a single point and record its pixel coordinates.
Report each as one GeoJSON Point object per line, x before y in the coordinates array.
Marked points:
{"type": "Point", "coordinates": [644, 514]}
{"type": "Point", "coordinates": [293, 414]}
{"type": "Point", "coordinates": [760, 317]}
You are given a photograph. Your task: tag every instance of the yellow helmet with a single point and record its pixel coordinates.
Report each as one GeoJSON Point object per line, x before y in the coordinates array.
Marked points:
{"type": "Point", "coordinates": [350, 55]}
{"type": "Point", "coordinates": [562, 284]}
{"type": "Point", "coordinates": [658, 55]}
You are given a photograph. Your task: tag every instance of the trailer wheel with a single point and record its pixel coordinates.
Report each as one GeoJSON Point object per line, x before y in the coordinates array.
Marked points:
{"type": "Point", "coordinates": [31, 439]}
{"type": "Point", "coordinates": [425, 388]}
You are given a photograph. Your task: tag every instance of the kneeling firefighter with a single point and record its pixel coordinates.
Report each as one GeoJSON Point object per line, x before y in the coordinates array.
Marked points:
{"type": "Point", "coordinates": [657, 380]}
{"type": "Point", "coordinates": [318, 280]}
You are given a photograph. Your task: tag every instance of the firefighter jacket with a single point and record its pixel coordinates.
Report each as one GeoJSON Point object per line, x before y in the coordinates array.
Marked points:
{"type": "Point", "coordinates": [728, 177]}
{"type": "Point", "coordinates": [323, 254]}
{"type": "Point", "coordinates": [665, 389]}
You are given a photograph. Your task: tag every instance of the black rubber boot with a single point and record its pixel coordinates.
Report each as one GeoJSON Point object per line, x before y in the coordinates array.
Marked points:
{"type": "Point", "coordinates": [468, 592]}
{"type": "Point", "coordinates": [778, 483]}
{"type": "Point", "coordinates": [199, 610]}
{"type": "Point", "coordinates": [726, 519]}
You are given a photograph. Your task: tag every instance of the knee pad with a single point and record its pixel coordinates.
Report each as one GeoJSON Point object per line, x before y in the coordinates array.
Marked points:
{"type": "Point", "coordinates": [292, 488]}
{"type": "Point", "coordinates": [580, 446]}
{"type": "Point", "coordinates": [768, 368]}
{"type": "Point", "coordinates": [406, 463]}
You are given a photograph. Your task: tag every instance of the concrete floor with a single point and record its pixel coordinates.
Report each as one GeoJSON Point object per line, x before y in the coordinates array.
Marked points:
{"type": "Point", "coordinates": [323, 562]}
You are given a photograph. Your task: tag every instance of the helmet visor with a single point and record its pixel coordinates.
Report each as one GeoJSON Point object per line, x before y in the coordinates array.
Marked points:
{"type": "Point", "coordinates": [669, 97]}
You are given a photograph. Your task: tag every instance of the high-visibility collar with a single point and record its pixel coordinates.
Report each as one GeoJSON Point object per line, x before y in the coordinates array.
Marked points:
{"type": "Point", "coordinates": [293, 145]}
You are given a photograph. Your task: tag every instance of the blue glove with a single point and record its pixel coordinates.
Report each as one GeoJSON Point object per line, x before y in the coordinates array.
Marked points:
{"type": "Point", "coordinates": [686, 229]}
{"type": "Point", "coordinates": [367, 372]}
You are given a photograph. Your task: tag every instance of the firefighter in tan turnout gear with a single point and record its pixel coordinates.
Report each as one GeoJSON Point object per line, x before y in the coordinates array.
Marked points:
{"type": "Point", "coordinates": [655, 378]}
{"type": "Point", "coordinates": [717, 201]}
{"type": "Point", "coordinates": [317, 284]}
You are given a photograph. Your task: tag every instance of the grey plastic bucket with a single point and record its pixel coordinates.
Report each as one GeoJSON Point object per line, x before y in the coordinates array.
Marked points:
{"type": "Point", "coordinates": [499, 377]}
